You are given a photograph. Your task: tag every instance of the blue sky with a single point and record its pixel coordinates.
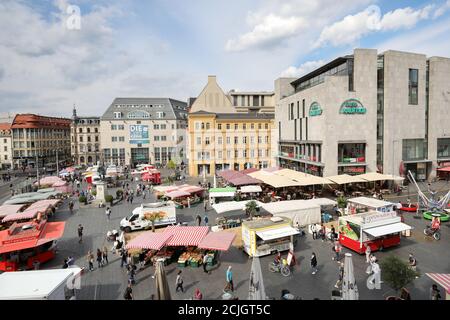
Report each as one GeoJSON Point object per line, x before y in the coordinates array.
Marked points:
{"type": "Point", "coordinates": [164, 48]}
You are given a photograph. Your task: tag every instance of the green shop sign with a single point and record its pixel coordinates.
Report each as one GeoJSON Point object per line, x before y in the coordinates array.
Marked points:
{"type": "Point", "coordinates": [352, 106]}
{"type": "Point", "coordinates": [315, 109]}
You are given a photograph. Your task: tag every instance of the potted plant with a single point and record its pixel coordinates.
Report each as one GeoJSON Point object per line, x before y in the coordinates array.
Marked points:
{"type": "Point", "coordinates": [82, 199]}
{"type": "Point", "coordinates": [109, 198]}
{"type": "Point", "coordinates": [251, 207]}
{"type": "Point", "coordinates": [397, 273]}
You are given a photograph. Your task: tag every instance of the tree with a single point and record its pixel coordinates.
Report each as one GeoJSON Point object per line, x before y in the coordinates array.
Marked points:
{"type": "Point", "coordinates": [251, 208]}
{"type": "Point", "coordinates": [397, 273]}
{"type": "Point", "coordinates": [109, 198]}
{"type": "Point", "coordinates": [171, 165]}
{"type": "Point", "coordinates": [341, 202]}
{"type": "Point", "coordinates": [154, 216]}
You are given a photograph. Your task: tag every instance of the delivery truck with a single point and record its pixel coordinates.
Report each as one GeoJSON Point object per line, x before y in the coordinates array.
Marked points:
{"type": "Point", "coordinates": [139, 219]}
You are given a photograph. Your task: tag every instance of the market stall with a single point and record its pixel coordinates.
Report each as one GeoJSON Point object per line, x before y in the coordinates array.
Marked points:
{"type": "Point", "coordinates": [228, 206]}
{"type": "Point", "coordinates": [301, 212]}
{"type": "Point", "coordinates": [226, 193]}
{"type": "Point", "coordinates": [265, 236]}
{"type": "Point", "coordinates": [214, 243]}
{"type": "Point", "coordinates": [364, 204]}
{"type": "Point", "coordinates": [443, 279]}
{"type": "Point", "coordinates": [375, 229]}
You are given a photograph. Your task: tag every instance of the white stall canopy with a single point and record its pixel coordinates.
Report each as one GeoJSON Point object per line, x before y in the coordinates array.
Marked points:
{"type": "Point", "coordinates": [250, 189]}
{"type": "Point", "coordinates": [277, 233]}
{"type": "Point", "coordinates": [231, 206]}
{"type": "Point", "coordinates": [301, 212]}
{"type": "Point", "coordinates": [387, 229]}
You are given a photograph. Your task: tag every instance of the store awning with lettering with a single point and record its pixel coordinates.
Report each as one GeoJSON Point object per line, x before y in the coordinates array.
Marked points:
{"type": "Point", "coordinates": [387, 229]}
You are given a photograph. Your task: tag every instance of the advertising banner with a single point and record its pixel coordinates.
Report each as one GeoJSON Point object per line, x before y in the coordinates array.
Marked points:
{"type": "Point", "coordinates": [139, 134]}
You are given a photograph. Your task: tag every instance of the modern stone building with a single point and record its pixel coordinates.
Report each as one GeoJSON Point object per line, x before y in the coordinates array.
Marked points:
{"type": "Point", "coordinates": [365, 112]}
{"type": "Point", "coordinates": [6, 154]}
{"type": "Point", "coordinates": [40, 140]}
{"type": "Point", "coordinates": [229, 131]}
{"type": "Point", "coordinates": [144, 130]}
{"type": "Point", "coordinates": [85, 139]}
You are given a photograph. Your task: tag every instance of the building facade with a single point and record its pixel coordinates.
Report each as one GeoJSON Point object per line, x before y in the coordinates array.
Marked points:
{"type": "Point", "coordinates": [5, 146]}
{"type": "Point", "coordinates": [144, 130]}
{"type": "Point", "coordinates": [40, 140]}
{"type": "Point", "coordinates": [366, 112]}
{"type": "Point", "coordinates": [226, 136]}
{"type": "Point", "coordinates": [85, 139]}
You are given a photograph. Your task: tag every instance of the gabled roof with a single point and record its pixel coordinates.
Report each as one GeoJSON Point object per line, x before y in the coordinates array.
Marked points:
{"type": "Point", "coordinates": [173, 109]}
{"type": "Point", "coordinates": [212, 99]}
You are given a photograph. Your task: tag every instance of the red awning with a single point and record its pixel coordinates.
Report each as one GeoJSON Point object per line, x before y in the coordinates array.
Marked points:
{"type": "Point", "coordinates": [442, 279]}
{"type": "Point", "coordinates": [149, 240]}
{"type": "Point", "coordinates": [244, 180]}
{"type": "Point", "coordinates": [26, 215]}
{"type": "Point", "coordinates": [51, 231]}
{"type": "Point", "coordinates": [445, 169]}
{"type": "Point", "coordinates": [217, 241]}
{"type": "Point", "coordinates": [177, 194]}
{"type": "Point", "coordinates": [186, 236]}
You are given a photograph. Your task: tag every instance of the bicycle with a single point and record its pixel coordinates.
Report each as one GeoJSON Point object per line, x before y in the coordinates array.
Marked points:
{"type": "Point", "coordinates": [283, 268]}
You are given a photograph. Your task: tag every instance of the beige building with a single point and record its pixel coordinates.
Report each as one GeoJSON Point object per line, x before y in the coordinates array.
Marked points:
{"type": "Point", "coordinates": [144, 130]}
{"type": "Point", "coordinates": [5, 146]}
{"type": "Point", "coordinates": [231, 131]}
{"type": "Point", "coordinates": [85, 139]}
{"type": "Point", "coordinates": [369, 111]}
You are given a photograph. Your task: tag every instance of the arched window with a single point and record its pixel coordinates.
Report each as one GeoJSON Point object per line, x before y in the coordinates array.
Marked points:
{"type": "Point", "coordinates": [89, 159]}
{"type": "Point", "coordinates": [81, 159]}
{"type": "Point", "coordinates": [138, 114]}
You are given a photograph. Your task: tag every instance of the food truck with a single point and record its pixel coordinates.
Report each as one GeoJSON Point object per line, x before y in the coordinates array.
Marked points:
{"type": "Point", "coordinates": [137, 220]}
{"type": "Point", "coordinates": [376, 229]}
{"type": "Point", "coordinates": [55, 284]}
{"type": "Point", "coordinates": [23, 245]}
{"type": "Point", "coordinates": [267, 235]}
{"type": "Point", "coordinates": [364, 204]}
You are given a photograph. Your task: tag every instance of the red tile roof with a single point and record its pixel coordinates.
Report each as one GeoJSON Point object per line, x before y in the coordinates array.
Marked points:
{"type": "Point", "coordinates": [5, 126]}
{"type": "Point", "coordinates": [36, 121]}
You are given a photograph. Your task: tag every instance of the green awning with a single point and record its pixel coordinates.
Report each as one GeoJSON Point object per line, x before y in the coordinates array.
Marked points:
{"type": "Point", "coordinates": [227, 189]}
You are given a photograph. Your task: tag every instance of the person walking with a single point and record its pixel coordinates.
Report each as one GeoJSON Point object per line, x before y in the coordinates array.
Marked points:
{"type": "Point", "coordinates": [229, 276]}
{"type": "Point", "coordinates": [205, 263]}
{"type": "Point", "coordinates": [199, 220]}
{"type": "Point", "coordinates": [206, 220]}
{"type": "Point", "coordinates": [413, 263]}
{"type": "Point", "coordinates": [128, 295]}
{"type": "Point", "coordinates": [205, 204]}
{"type": "Point", "coordinates": [80, 233]}
{"type": "Point", "coordinates": [99, 258]}
{"type": "Point", "coordinates": [129, 259]}
{"type": "Point", "coordinates": [123, 258]}
{"type": "Point", "coordinates": [71, 206]}
{"type": "Point", "coordinates": [142, 260]}
{"type": "Point", "coordinates": [179, 282]}
{"type": "Point", "coordinates": [90, 260]}
{"type": "Point", "coordinates": [314, 231]}
{"type": "Point", "coordinates": [105, 256]}
{"type": "Point", "coordinates": [435, 294]}
{"type": "Point", "coordinates": [314, 263]}
{"type": "Point", "coordinates": [323, 232]}
{"type": "Point", "coordinates": [108, 213]}
{"type": "Point", "coordinates": [337, 250]}
{"type": "Point", "coordinates": [131, 274]}
{"type": "Point", "coordinates": [368, 253]}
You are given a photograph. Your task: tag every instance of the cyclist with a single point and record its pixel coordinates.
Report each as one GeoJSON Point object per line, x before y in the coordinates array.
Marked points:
{"type": "Point", "coordinates": [435, 224]}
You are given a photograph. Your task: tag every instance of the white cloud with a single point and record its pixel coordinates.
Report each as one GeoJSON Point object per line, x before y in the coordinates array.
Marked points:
{"type": "Point", "coordinates": [304, 68]}
{"type": "Point", "coordinates": [442, 9]}
{"type": "Point", "coordinates": [270, 31]}
{"type": "Point", "coordinates": [353, 27]}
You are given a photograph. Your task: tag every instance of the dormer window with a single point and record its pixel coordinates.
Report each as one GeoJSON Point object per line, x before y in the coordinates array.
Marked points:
{"type": "Point", "coordinates": [117, 115]}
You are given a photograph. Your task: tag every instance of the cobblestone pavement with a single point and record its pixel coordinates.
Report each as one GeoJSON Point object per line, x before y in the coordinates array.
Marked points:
{"type": "Point", "coordinates": [110, 281]}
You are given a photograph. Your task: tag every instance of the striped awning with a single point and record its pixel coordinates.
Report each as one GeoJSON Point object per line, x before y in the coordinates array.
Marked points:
{"type": "Point", "coordinates": [26, 215]}
{"type": "Point", "coordinates": [185, 235]}
{"type": "Point", "coordinates": [149, 240]}
{"type": "Point", "coordinates": [217, 241]}
{"type": "Point", "coordinates": [443, 279]}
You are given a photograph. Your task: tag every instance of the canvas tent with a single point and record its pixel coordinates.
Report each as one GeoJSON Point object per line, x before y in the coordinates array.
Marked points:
{"type": "Point", "coordinates": [301, 212]}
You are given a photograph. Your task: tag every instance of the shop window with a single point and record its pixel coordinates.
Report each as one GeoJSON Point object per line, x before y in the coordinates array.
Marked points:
{"type": "Point", "coordinates": [443, 148]}
{"type": "Point", "coordinates": [413, 86]}
{"type": "Point", "coordinates": [351, 152]}
{"type": "Point", "coordinates": [414, 149]}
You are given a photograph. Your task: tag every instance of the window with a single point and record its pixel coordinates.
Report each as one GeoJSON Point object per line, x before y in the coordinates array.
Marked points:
{"type": "Point", "coordinates": [122, 139]}
{"type": "Point", "coordinates": [6, 157]}
{"type": "Point", "coordinates": [235, 98]}
{"type": "Point", "coordinates": [207, 126]}
{"type": "Point", "coordinates": [244, 140]}
{"type": "Point", "coordinates": [203, 126]}
{"type": "Point", "coordinates": [228, 140]}
{"type": "Point", "coordinates": [163, 138]}
{"type": "Point", "coordinates": [199, 140]}
{"type": "Point", "coordinates": [259, 153]}
{"type": "Point", "coordinates": [207, 140]}
{"type": "Point", "coordinates": [303, 105]}
{"type": "Point", "coordinates": [266, 126]}
{"type": "Point", "coordinates": [236, 126]}
{"type": "Point", "coordinates": [219, 140]}
{"type": "Point", "coordinates": [160, 114]}
{"type": "Point", "coordinates": [228, 126]}
{"type": "Point", "coordinates": [156, 127]}
{"type": "Point", "coordinates": [173, 126]}
{"type": "Point", "coordinates": [443, 148]}
{"type": "Point", "coordinates": [259, 126]}
{"type": "Point", "coordinates": [259, 139]}
{"type": "Point", "coordinates": [163, 127]}
{"type": "Point", "coordinates": [236, 153]}
{"type": "Point", "coordinates": [244, 153]}
{"type": "Point", "coordinates": [80, 130]}
{"type": "Point", "coordinates": [219, 154]}
{"type": "Point", "coordinates": [96, 130]}
{"type": "Point", "coordinates": [156, 138]}
{"type": "Point", "coordinates": [114, 139]}
{"type": "Point", "coordinates": [4, 140]}
{"type": "Point", "coordinates": [81, 138]}
{"type": "Point", "coordinates": [414, 149]}
{"type": "Point", "coordinates": [347, 152]}
{"type": "Point", "coordinates": [266, 139]}
{"type": "Point", "coordinates": [157, 154]}
{"type": "Point", "coordinates": [117, 115]}
{"type": "Point", "coordinates": [252, 126]}
{"type": "Point", "coordinates": [5, 148]}
{"type": "Point", "coordinates": [121, 127]}
{"type": "Point", "coordinates": [236, 140]}
{"type": "Point", "coordinates": [197, 126]}
{"type": "Point", "coordinates": [252, 140]}
{"type": "Point", "coordinates": [219, 126]}
{"type": "Point", "coordinates": [228, 154]}
{"type": "Point", "coordinates": [252, 153]}
{"type": "Point", "coordinates": [413, 86]}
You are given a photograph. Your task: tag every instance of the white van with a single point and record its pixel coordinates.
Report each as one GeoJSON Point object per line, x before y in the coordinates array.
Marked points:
{"type": "Point", "coordinates": [136, 220]}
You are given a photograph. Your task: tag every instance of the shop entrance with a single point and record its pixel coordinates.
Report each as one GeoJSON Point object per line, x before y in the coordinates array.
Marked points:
{"type": "Point", "coordinates": [420, 170]}
{"type": "Point", "coordinates": [139, 155]}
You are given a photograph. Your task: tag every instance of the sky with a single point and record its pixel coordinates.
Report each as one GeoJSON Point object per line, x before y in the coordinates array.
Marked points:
{"type": "Point", "coordinates": [167, 48]}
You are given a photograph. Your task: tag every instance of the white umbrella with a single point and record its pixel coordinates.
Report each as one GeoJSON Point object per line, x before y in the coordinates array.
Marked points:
{"type": "Point", "coordinates": [162, 287]}
{"type": "Point", "coordinates": [349, 288]}
{"type": "Point", "coordinates": [256, 290]}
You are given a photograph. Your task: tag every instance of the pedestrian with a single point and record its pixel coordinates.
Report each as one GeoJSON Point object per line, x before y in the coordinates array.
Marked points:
{"type": "Point", "coordinates": [333, 233]}
{"type": "Point", "coordinates": [129, 259]}
{"type": "Point", "coordinates": [314, 231]}
{"type": "Point", "coordinates": [105, 256]}
{"type": "Point", "coordinates": [341, 275]}
{"type": "Point", "coordinates": [179, 282]}
{"type": "Point", "coordinates": [80, 233]}
{"type": "Point", "coordinates": [337, 250]}
{"type": "Point", "coordinates": [435, 294]}
{"type": "Point", "coordinates": [65, 265]}
{"type": "Point", "coordinates": [90, 260]}
{"type": "Point", "coordinates": [314, 263]}
{"type": "Point", "coordinates": [412, 263]}
{"type": "Point", "coordinates": [188, 202]}
{"type": "Point", "coordinates": [108, 213]}
{"type": "Point", "coordinates": [206, 220]}
{"type": "Point", "coordinates": [128, 295]}
{"type": "Point", "coordinates": [99, 258]}
{"type": "Point", "coordinates": [368, 252]}
{"type": "Point", "coordinates": [131, 274]}
{"type": "Point", "coordinates": [229, 275]}
{"type": "Point", "coordinates": [323, 232]}
{"type": "Point", "coordinates": [205, 204]}
{"type": "Point", "coordinates": [131, 199]}
{"type": "Point", "coordinates": [123, 258]}
{"type": "Point", "coordinates": [205, 263]}
{"type": "Point", "coordinates": [70, 261]}
{"type": "Point", "coordinates": [199, 220]}
{"type": "Point", "coordinates": [142, 259]}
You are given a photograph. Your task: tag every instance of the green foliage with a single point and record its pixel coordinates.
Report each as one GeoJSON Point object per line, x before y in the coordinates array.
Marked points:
{"type": "Point", "coordinates": [94, 193]}
{"type": "Point", "coordinates": [171, 165]}
{"type": "Point", "coordinates": [82, 199]}
{"type": "Point", "coordinates": [109, 198]}
{"type": "Point", "coordinates": [397, 273]}
{"type": "Point", "coordinates": [341, 201]}
{"type": "Point", "coordinates": [251, 208]}
{"type": "Point", "coordinates": [119, 193]}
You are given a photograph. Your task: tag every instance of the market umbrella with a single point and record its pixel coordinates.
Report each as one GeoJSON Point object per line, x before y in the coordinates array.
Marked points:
{"type": "Point", "coordinates": [349, 288]}
{"type": "Point", "coordinates": [256, 290]}
{"type": "Point", "coordinates": [162, 287]}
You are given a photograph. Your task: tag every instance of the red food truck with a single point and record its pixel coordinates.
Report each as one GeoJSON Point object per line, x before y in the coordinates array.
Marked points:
{"type": "Point", "coordinates": [375, 229]}
{"type": "Point", "coordinates": [22, 244]}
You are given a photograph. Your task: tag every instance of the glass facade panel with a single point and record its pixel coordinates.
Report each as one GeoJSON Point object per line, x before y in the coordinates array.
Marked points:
{"type": "Point", "coordinates": [414, 149]}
